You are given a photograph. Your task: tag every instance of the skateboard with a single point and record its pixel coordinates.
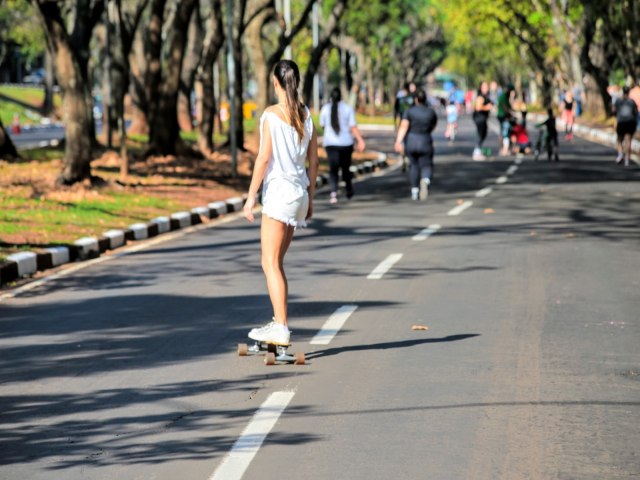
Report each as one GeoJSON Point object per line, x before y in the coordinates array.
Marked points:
{"type": "Point", "coordinates": [274, 353]}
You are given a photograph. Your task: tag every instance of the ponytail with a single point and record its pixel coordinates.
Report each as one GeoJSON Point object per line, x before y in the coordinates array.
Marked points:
{"type": "Point", "coordinates": [335, 100]}
{"type": "Point", "coordinates": [288, 75]}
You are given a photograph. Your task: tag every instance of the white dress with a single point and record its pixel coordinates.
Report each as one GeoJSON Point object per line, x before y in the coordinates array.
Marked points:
{"type": "Point", "coordinates": [284, 189]}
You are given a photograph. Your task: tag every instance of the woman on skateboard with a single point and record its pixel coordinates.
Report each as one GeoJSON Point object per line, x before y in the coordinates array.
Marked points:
{"type": "Point", "coordinates": [287, 141]}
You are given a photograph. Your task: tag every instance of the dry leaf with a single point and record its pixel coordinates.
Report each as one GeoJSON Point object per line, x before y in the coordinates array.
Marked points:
{"type": "Point", "coordinates": [459, 201]}
{"type": "Point", "coordinates": [489, 210]}
{"type": "Point", "coordinates": [419, 327]}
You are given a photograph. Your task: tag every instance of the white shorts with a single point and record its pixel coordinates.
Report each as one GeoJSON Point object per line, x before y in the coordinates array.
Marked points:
{"type": "Point", "coordinates": [287, 205]}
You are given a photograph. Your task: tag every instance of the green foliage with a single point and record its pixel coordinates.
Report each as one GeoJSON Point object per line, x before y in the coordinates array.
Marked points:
{"type": "Point", "coordinates": [18, 23]}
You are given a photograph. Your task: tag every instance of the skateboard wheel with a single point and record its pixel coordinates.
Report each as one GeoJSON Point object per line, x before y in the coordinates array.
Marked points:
{"type": "Point", "coordinates": [272, 348]}
{"type": "Point", "coordinates": [270, 358]}
{"type": "Point", "coordinates": [243, 349]}
{"type": "Point", "coordinates": [299, 358]}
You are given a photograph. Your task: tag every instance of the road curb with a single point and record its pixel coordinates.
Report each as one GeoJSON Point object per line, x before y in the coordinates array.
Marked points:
{"type": "Point", "coordinates": [26, 264]}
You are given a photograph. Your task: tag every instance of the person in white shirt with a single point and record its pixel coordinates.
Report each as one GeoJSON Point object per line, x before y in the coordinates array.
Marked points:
{"type": "Point", "coordinates": [287, 141]}
{"type": "Point", "coordinates": [339, 123]}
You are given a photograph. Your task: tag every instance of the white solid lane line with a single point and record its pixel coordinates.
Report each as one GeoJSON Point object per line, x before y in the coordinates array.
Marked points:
{"type": "Point", "coordinates": [460, 208]}
{"type": "Point", "coordinates": [512, 169]}
{"type": "Point", "coordinates": [333, 325]}
{"type": "Point", "coordinates": [484, 192]}
{"type": "Point", "coordinates": [242, 452]}
{"type": "Point", "coordinates": [502, 179]}
{"type": "Point", "coordinates": [384, 266]}
{"type": "Point", "coordinates": [426, 233]}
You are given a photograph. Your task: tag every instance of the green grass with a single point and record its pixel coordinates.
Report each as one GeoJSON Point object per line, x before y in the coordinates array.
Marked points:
{"type": "Point", "coordinates": [375, 120]}
{"type": "Point", "coordinates": [44, 220]}
{"type": "Point", "coordinates": [9, 109]}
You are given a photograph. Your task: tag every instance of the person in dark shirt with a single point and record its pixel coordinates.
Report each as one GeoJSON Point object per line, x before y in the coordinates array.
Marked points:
{"type": "Point", "coordinates": [414, 140]}
{"type": "Point", "coordinates": [482, 108]}
{"type": "Point", "coordinates": [626, 112]}
{"type": "Point", "coordinates": [404, 100]}
{"type": "Point", "coordinates": [548, 137]}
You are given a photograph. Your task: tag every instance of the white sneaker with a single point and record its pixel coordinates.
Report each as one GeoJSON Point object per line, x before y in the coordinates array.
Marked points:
{"type": "Point", "coordinates": [424, 188]}
{"type": "Point", "coordinates": [333, 198]}
{"type": "Point", "coordinates": [272, 332]}
{"type": "Point", "coordinates": [415, 193]}
{"type": "Point", "coordinates": [620, 158]}
{"type": "Point", "coordinates": [477, 155]}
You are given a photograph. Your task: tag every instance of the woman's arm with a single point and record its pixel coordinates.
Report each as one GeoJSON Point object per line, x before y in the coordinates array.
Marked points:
{"type": "Point", "coordinates": [402, 131]}
{"type": "Point", "coordinates": [356, 134]}
{"type": "Point", "coordinates": [312, 156]}
{"type": "Point", "coordinates": [259, 169]}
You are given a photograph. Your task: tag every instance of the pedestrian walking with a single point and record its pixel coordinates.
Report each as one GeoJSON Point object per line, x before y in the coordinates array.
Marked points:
{"type": "Point", "coordinates": [505, 116]}
{"type": "Point", "coordinates": [568, 114]}
{"type": "Point", "coordinates": [287, 141]}
{"type": "Point", "coordinates": [634, 94]}
{"type": "Point", "coordinates": [482, 109]}
{"type": "Point", "coordinates": [452, 120]}
{"type": "Point", "coordinates": [626, 112]}
{"type": "Point", "coordinates": [338, 120]}
{"type": "Point", "coordinates": [404, 100]}
{"type": "Point", "coordinates": [414, 140]}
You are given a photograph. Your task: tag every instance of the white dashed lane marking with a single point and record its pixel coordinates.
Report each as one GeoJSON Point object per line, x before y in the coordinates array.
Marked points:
{"type": "Point", "coordinates": [426, 233]}
{"type": "Point", "coordinates": [460, 208]}
{"type": "Point", "coordinates": [512, 169]}
{"type": "Point", "coordinates": [501, 180]}
{"type": "Point", "coordinates": [384, 266]}
{"type": "Point", "coordinates": [484, 192]}
{"type": "Point", "coordinates": [333, 325]}
{"type": "Point", "coordinates": [246, 447]}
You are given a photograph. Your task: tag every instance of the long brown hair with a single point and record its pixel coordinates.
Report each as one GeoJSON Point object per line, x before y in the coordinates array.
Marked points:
{"type": "Point", "coordinates": [288, 76]}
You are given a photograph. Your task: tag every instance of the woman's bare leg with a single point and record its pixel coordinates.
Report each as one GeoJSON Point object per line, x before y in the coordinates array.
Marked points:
{"type": "Point", "coordinates": [275, 238]}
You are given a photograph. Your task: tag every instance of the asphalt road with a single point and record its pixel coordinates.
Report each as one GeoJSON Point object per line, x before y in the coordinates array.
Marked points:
{"type": "Point", "coordinates": [530, 368]}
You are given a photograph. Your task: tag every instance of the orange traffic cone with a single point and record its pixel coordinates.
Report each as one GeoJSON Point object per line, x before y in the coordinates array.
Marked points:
{"type": "Point", "coordinates": [15, 128]}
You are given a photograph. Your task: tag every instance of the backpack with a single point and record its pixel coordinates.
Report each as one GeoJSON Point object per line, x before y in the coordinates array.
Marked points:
{"type": "Point", "coordinates": [626, 111]}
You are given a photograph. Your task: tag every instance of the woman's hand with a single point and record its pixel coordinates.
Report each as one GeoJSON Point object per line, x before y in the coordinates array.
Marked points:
{"type": "Point", "coordinates": [399, 147]}
{"type": "Point", "coordinates": [247, 210]}
{"type": "Point", "coordinates": [361, 145]}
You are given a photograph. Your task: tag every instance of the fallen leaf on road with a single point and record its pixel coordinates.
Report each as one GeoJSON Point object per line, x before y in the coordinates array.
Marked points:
{"type": "Point", "coordinates": [489, 210]}
{"type": "Point", "coordinates": [459, 201]}
{"type": "Point", "coordinates": [419, 327]}
{"type": "Point", "coordinates": [569, 235]}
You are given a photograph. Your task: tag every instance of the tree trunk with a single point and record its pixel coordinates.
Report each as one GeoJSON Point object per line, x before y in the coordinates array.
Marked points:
{"type": "Point", "coordinates": [49, 80]}
{"type": "Point", "coordinates": [261, 68]}
{"type": "Point", "coordinates": [324, 42]}
{"type": "Point", "coordinates": [213, 42]}
{"type": "Point", "coordinates": [599, 75]}
{"type": "Point", "coordinates": [239, 91]}
{"type": "Point", "coordinates": [192, 59]}
{"type": "Point", "coordinates": [7, 148]}
{"type": "Point", "coordinates": [164, 137]}
{"type": "Point", "coordinates": [153, 63]}
{"type": "Point", "coordinates": [76, 95]}
{"type": "Point", "coordinates": [137, 70]}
